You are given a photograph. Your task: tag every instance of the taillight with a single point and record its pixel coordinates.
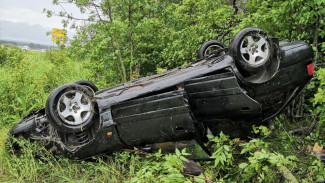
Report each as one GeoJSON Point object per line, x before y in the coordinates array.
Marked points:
{"type": "Point", "coordinates": [310, 69]}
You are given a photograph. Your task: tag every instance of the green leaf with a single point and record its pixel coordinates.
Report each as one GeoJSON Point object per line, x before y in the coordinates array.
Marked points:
{"type": "Point", "coordinates": [243, 165]}
{"type": "Point", "coordinates": [178, 153]}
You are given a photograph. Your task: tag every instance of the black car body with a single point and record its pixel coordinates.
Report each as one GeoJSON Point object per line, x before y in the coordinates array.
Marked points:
{"type": "Point", "coordinates": [216, 93]}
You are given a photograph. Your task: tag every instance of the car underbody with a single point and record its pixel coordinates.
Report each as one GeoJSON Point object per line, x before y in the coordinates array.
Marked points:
{"type": "Point", "coordinates": [216, 93]}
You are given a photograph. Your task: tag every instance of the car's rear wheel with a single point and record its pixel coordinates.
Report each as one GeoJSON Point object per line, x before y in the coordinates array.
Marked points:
{"type": "Point", "coordinates": [252, 49]}
{"type": "Point", "coordinates": [211, 47]}
{"type": "Point", "coordinates": [70, 108]}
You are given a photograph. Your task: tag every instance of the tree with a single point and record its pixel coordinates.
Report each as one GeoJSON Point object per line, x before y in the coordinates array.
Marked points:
{"type": "Point", "coordinates": [133, 38]}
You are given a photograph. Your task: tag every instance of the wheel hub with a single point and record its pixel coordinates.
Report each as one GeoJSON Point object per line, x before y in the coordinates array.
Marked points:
{"type": "Point", "coordinates": [74, 107]}
{"type": "Point", "coordinates": [254, 49]}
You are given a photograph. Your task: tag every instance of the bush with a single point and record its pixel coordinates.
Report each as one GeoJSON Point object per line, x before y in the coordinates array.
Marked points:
{"type": "Point", "coordinates": [11, 55]}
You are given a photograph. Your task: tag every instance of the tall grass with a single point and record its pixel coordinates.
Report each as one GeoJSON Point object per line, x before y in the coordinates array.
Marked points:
{"type": "Point", "coordinates": [34, 164]}
{"type": "Point", "coordinates": [26, 83]}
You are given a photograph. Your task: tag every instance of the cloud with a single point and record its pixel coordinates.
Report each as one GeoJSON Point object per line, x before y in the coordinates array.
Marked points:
{"type": "Point", "coordinates": [28, 19]}
{"type": "Point", "coordinates": [15, 14]}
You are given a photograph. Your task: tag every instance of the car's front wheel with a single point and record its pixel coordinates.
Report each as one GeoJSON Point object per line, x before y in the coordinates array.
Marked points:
{"type": "Point", "coordinates": [70, 108]}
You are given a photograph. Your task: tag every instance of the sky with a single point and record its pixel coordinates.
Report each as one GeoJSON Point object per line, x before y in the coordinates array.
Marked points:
{"type": "Point", "coordinates": [24, 20]}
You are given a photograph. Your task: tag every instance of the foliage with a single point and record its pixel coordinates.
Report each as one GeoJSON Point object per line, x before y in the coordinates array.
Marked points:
{"type": "Point", "coordinates": [162, 168]}
{"type": "Point", "coordinates": [10, 55]}
{"type": "Point", "coordinates": [262, 163]}
{"type": "Point", "coordinates": [305, 20]}
{"type": "Point", "coordinates": [127, 39]}
{"type": "Point", "coordinates": [240, 161]}
{"type": "Point", "coordinates": [223, 147]}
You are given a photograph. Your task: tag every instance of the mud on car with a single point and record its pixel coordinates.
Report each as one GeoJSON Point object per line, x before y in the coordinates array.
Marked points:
{"type": "Point", "coordinates": [226, 89]}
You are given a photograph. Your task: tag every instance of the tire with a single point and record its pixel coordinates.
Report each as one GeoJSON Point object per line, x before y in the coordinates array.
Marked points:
{"type": "Point", "coordinates": [87, 83]}
{"type": "Point", "coordinates": [252, 49]}
{"type": "Point", "coordinates": [209, 47]}
{"type": "Point", "coordinates": [70, 108]}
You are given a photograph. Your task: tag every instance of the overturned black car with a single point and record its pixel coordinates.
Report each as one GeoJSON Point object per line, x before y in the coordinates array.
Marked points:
{"type": "Point", "coordinates": [226, 89]}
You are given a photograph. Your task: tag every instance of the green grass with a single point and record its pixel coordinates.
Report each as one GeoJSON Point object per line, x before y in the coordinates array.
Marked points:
{"type": "Point", "coordinates": [26, 83]}
{"type": "Point", "coordinates": [34, 164]}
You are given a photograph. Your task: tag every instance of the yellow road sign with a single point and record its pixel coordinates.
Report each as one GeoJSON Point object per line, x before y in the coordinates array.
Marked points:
{"type": "Point", "coordinates": [58, 34]}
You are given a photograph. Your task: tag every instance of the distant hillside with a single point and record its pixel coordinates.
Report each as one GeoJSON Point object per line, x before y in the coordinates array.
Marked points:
{"type": "Point", "coordinates": [33, 46]}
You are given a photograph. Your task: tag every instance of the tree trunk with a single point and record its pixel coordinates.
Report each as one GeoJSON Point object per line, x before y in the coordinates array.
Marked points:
{"type": "Point", "coordinates": [131, 56]}
{"type": "Point", "coordinates": [120, 58]}
{"type": "Point", "coordinates": [123, 75]}
{"type": "Point", "coordinates": [118, 65]}
{"type": "Point", "coordinates": [131, 42]}
{"type": "Point", "coordinates": [316, 37]}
